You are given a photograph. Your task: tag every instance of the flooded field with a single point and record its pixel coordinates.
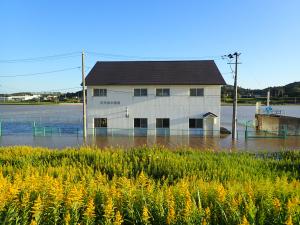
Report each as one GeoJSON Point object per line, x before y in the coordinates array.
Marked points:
{"type": "Point", "coordinates": [17, 123]}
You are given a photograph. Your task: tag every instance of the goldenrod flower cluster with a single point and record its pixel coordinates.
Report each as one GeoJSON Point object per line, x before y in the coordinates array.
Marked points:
{"type": "Point", "coordinates": [147, 186]}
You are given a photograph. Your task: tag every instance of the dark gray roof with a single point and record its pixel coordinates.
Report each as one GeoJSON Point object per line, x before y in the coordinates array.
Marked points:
{"type": "Point", "coordinates": [155, 72]}
{"type": "Point", "coordinates": [209, 114]}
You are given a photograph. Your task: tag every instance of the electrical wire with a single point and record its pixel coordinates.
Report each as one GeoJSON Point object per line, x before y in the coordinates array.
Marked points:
{"type": "Point", "coordinates": [151, 58]}
{"type": "Point", "coordinates": [41, 58]}
{"type": "Point", "coordinates": [107, 55]}
{"type": "Point", "coordinates": [61, 89]}
{"type": "Point", "coordinates": [41, 73]}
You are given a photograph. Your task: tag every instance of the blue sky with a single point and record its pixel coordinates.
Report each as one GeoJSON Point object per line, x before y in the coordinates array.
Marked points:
{"type": "Point", "coordinates": [265, 32]}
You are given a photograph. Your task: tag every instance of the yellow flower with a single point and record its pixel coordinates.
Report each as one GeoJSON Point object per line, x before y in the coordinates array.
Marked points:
{"type": "Point", "coordinates": [277, 205]}
{"type": "Point", "coordinates": [74, 197]}
{"type": "Point", "coordinates": [289, 221]}
{"type": "Point", "coordinates": [37, 208]}
{"type": "Point", "coordinates": [245, 221]}
{"type": "Point", "coordinates": [56, 192]}
{"type": "Point", "coordinates": [292, 203]}
{"type": "Point", "coordinates": [115, 193]}
{"type": "Point", "coordinates": [146, 215]}
{"type": "Point", "coordinates": [250, 191]}
{"type": "Point", "coordinates": [207, 213]}
{"type": "Point", "coordinates": [118, 219]}
{"type": "Point", "coordinates": [90, 209]}
{"type": "Point", "coordinates": [33, 222]}
{"type": "Point", "coordinates": [188, 204]}
{"type": "Point", "coordinates": [109, 210]}
{"type": "Point", "coordinates": [235, 202]}
{"type": "Point", "coordinates": [221, 193]}
{"type": "Point", "coordinates": [171, 207]}
{"type": "Point", "coordinates": [67, 218]}
{"type": "Point", "coordinates": [142, 179]}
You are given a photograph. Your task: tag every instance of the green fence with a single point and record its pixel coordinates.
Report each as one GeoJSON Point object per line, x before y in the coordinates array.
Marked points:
{"type": "Point", "coordinates": [251, 132]}
{"type": "Point", "coordinates": [51, 131]}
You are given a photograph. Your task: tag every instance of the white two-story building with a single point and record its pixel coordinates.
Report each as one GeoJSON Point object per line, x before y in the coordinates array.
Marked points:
{"type": "Point", "coordinates": [154, 98]}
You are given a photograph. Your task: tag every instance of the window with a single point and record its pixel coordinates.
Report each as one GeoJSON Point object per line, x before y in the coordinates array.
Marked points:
{"type": "Point", "coordinates": [163, 123]}
{"type": "Point", "coordinates": [140, 123]}
{"type": "Point", "coordinates": [100, 122]}
{"type": "Point", "coordinates": [162, 92]}
{"type": "Point", "coordinates": [196, 92]}
{"type": "Point", "coordinates": [100, 92]}
{"type": "Point", "coordinates": [140, 92]}
{"type": "Point", "coordinates": [196, 123]}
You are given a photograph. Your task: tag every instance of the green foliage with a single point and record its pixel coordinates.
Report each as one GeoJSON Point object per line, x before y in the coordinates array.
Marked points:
{"type": "Point", "coordinates": [147, 186]}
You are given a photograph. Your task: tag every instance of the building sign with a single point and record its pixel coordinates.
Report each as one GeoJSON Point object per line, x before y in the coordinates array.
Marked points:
{"type": "Point", "coordinates": [110, 102]}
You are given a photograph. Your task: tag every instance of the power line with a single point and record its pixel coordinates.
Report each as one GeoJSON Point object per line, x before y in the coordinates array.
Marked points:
{"type": "Point", "coordinates": [41, 58]}
{"type": "Point", "coordinates": [61, 89]}
{"type": "Point", "coordinates": [102, 54]}
{"type": "Point", "coordinates": [149, 57]}
{"type": "Point", "coordinates": [41, 73]}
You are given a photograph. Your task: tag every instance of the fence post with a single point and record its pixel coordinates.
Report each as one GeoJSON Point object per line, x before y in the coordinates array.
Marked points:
{"type": "Point", "coordinates": [33, 128]}
{"type": "Point", "coordinates": [246, 131]}
{"type": "Point", "coordinates": [0, 128]}
{"type": "Point", "coordinates": [285, 132]}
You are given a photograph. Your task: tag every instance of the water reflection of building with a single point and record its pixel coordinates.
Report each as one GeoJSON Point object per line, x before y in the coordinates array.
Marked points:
{"type": "Point", "coordinates": [154, 98]}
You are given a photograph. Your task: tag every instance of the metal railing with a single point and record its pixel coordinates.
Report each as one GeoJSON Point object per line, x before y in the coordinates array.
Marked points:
{"type": "Point", "coordinates": [252, 132]}
{"type": "Point", "coordinates": [151, 132]}
{"type": "Point", "coordinates": [36, 130]}
{"type": "Point", "coordinates": [266, 134]}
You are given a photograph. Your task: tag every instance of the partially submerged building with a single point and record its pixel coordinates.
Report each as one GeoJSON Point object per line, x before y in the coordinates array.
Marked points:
{"type": "Point", "coordinates": [154, 98]}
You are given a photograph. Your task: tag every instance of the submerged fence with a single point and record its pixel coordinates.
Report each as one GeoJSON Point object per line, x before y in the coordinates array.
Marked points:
{"type": "Point", "coordinates": [39, 129]}
{"type": "Point", "coordinates": [63, 129]}
{"type": "Point", "coordinates": [75, 129]}
{"type": "Point", "coordinates": [252, 132]}
{"type": "Point", "coordinates": [152, 132]}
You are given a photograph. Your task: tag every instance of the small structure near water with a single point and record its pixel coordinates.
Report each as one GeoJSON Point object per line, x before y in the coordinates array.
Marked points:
{"type": "Point", "coordinates": [278, 123]}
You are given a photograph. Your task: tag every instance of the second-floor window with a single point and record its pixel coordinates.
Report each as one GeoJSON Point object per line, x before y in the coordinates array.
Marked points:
{"type": "Point", "coordinates": [162, 92]}
{"type": "Point", "coordinates": [138, 92]}
{"type": "Point", "coordinates": [100, 92]}
{"type": "Point", "coordinates": [196, 92]}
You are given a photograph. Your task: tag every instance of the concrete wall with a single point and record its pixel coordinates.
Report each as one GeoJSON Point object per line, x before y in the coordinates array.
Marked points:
{"type": "Point", "coordinates": [278, 123]}
{"type": "Point", "coordinates": [179, 106]}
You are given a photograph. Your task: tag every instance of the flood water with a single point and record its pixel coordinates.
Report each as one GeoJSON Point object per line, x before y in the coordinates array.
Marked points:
{"type": "Point", "coordinates": [18, 122]}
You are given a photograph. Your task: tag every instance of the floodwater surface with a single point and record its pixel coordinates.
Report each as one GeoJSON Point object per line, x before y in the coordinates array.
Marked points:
{"type": "Point", "coordinates": [18, 122]}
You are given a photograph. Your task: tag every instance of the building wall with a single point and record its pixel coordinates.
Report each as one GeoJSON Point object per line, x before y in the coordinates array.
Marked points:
{"type": "Point", "coordinates": [179, 106]}
{"type": "Point", "coordinates": [278, 123]}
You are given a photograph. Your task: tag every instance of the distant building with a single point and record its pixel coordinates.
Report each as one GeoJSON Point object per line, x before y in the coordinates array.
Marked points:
{"type": "Point", "coordinates": [154, 98]}
{"type": "Point", "coordinates": [20, 98]}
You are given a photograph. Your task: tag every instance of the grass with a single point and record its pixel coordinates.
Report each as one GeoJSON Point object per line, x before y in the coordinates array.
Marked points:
{"type": "Point", "coordinates": [147, 186]}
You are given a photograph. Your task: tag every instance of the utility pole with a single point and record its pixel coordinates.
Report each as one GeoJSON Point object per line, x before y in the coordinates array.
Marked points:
{"type": "Point", "coordinates": [235, 94]}
{"type": "Point", "coordinates": [83, 97]}
{"type": "Point", "coordinates": [268, 98]}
